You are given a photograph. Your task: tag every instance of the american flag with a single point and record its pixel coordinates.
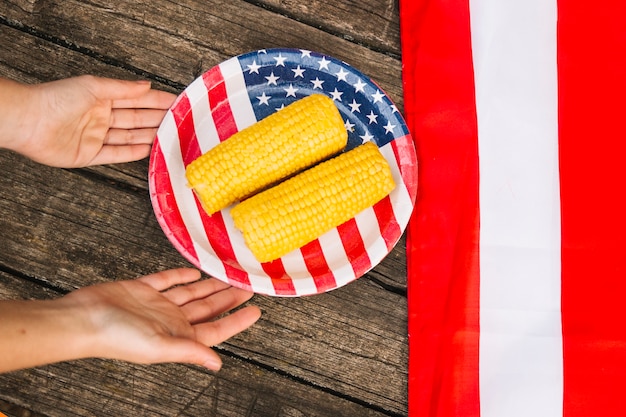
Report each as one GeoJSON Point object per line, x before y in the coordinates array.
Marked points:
{"type": "Point", "coordinates": [236, 94]}
{"type": "Point", "coordinates": [517, 271]}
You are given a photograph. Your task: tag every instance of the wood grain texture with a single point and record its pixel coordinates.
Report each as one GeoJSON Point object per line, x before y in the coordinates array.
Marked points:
{"type": "Point", "coordinates": [374, 23]}
{"type": "Point", "coordinates": [180, 40]}
{"type": "Point", "coordinates": [343, 353]}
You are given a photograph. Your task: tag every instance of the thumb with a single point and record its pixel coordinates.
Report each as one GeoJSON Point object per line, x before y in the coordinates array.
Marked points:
{"type": "Point", "coordinates": [112, 89]}
{"type": "Point", "coordinates": [180, 350]}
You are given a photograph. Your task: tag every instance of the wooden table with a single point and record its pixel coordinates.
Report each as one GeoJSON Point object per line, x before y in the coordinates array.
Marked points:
{"type": "Point", "coordinates": [343, 353]}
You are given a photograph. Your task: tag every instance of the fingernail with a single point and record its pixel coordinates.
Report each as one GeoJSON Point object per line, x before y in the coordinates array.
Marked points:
{"type": "Point", "coordinates": [213, 364]}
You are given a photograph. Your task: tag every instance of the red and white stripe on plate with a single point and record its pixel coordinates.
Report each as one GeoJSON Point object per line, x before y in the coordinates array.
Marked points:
{"type": "Point", "coordinates": [210, 110]}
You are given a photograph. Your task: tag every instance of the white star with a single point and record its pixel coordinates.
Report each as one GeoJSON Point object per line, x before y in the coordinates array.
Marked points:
{"type": "Point", "coordinates": [394, 108]}
{"type": "Point", "coordinates": [349, 126]}
{"type": "Point", "coordinates": [271, 79]}
{"type": "Point", "coordinates": [378, 96]}
{"type": "Point", "coordinates": [254, 67]}
{"type": "Point", "coordinates": [305, 53]}
{"type": "Point", "coordinates": [298, 72]}
{"type": "Point", "coordinates": [282, 106]}
{"type": "Point", "coordinates": [354, 106]}
{"type": "Point", "coordinates": [366, 137]}
{"type": "Point", "coordinates": [291, 91]}
{"type": "Point", "coordinates": [264, 99]}
{"type": "Point", "coordinates": [341, 75]}
{"type": "Point", "coordinates": [317, 83]}
{"type": "Point", "coordinates": [323, 63]}
{"type": "Point", "coordinates": [359, 86]}
{"type": "Point", "coordinates": [262, 51]}
{"type": "Point", "coordinates": [389, 127]}
{"type": "Point", "coordinates": [280, 60]}
{"type": "Point", "coordinates": [336, 94]}
{"type": "Point", "coordinates": [373, 118]}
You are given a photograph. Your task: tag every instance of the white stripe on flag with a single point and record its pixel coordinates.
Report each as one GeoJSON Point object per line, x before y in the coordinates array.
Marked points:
{"type": "Point", "coordinates": [204, 125]}
{"type": "Point", "coordinates": [514, 53]}
{"type": "Point", "coordinates": [237, 93]}
{"type": "Point", "coordinates": [335, 255]}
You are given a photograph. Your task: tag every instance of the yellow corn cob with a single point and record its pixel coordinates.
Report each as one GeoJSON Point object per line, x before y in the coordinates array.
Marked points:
{"type": "Point", "coordinates": [294, 138]}
{"type": "Point", "coordinates": [301, 209]}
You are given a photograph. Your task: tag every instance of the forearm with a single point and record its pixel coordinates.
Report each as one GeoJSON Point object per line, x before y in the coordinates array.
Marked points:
{"type": "Point", "coordinates": [41, 332]}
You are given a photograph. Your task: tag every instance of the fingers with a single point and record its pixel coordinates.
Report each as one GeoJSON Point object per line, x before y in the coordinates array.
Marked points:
{"type": "Point", "coordinates": [127, 94]}
{"type": "Point", "coordinates": [151, 99]}
{"type": "Point", "coordinates": [195, 291]}
{"type": "Point", "coordinates": [136, 118]}
{"type": "Point", "coordinates": [120, 154]}
{"type": "Point", "coordinates": [163, 280]}
{"type": "Point", "coordinates": [112, 89]}
{"type": "Point", "coordinates": [117, 137]}
{"type": "Point", "coordinates": [207, 308]}
{"type": "Point", "coordinates": [183, 350]}
{"type": "Point", "coordinates": [121, 145]}
{"type": "Point", "coordinates": [216, 332]}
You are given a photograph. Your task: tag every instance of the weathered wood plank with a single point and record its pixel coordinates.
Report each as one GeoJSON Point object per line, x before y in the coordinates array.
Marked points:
{"type": "Point", "coordinates": [30, 59]}
{"type": "Point", "coordinates": [180, 40]}
{"type": "Point", "coordinates": [374, 23]}
{"type": "Point", "coordinates": [239, 389]}
{"type": "Point", "coordinates": [12, 410]}
{"type": "Point", "coordinates": [55, 223]}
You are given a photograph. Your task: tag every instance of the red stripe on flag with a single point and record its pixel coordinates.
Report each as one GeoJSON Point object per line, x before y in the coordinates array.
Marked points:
{"type": "Point", "coordinates": [317, 266]}
{"type": "Point", "coordinates": [284, 286]}
{"type": "Point", "coordinates": [275, 269]}
{"type": "Point", "coordinates": [214, 226]}
{"type": "Point", "coordinates": [188, 141]}
{"type": "Point", "coordinates": [403, 150]}
{"type": "Point", "coordinates": [354, 247]}
{"type": "Point", "coordinates": [281, 282]}
{"type": "Point", "coordinates": [390, 230]}
{"type": "Point", "coordinates": [165, 196]}
{"type": "Point", "coordinates": [218, 101]}
{"type": "Point", "coordinates": [442, 244]}
{"type": "Point", "coordinates": [592, 146]}
{"type": "Point", "coordinates": [220, 242]}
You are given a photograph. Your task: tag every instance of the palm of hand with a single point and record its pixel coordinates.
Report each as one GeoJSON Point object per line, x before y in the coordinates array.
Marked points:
{"type": "Point", "coordinates": [76, 127]}
{"type": "Point", "coordinates": [133, 317]}
{"type": "Point", "coordinates": [156, 319]}
{"type": "Point", "coordinates": [88, 120]}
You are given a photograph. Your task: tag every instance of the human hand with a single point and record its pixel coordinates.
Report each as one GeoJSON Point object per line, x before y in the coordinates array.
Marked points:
{"type": "Point", "coordinates": [82, 121]}
{"type": "Point", "coordinates": [163, 317]}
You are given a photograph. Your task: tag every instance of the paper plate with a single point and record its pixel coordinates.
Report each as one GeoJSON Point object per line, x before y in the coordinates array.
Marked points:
{"type": "Point", "coordinates": [234, 95]}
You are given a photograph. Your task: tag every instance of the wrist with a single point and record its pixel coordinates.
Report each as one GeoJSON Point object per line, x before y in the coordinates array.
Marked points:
{"type": "Point", "coordinates": [41, 332]}
{"type": "Point", "coordinates": [15, 97]}
{"type": "Point", "coordinates": [74, 322]}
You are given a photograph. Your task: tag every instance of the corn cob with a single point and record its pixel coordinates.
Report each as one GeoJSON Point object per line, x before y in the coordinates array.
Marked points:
{"type": "Point", "coordinates": [294, 138]}
{"type": "Point", "coordinates": [301, 209]}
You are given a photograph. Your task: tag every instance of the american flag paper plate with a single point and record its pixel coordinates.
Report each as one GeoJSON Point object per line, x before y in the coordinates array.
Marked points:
{"type": "Point", "coordinates": [234, 95]}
